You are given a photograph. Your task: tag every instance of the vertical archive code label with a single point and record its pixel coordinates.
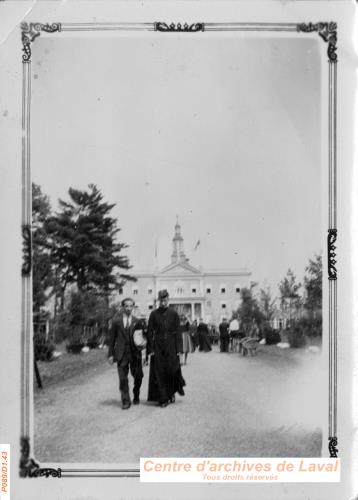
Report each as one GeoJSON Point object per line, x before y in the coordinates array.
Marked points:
{"type": "Point", "coordinates": [5, 471]}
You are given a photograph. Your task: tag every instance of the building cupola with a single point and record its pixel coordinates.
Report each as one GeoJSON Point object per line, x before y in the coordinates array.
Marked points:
{"type": "Point", "coordinates": [178, 254]}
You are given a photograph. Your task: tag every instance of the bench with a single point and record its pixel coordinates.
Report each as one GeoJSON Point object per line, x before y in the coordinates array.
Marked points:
{"type": "Point", "coordinates": [248, 345]}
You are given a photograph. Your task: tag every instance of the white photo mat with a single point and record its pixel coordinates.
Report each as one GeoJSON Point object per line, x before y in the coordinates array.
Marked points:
{"type": "Point", "coordinates": [327, 30]}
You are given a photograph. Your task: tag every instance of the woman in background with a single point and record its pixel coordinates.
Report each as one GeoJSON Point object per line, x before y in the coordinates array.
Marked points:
{"type": "Point", "coordinates": [186, 337]}
{"type": "Point", "coordinates": [203, 334]}
{"type": "Point", "coordinates": [193, 330]}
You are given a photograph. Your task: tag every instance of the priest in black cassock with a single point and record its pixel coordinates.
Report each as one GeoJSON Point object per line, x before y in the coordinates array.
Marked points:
{"type": "Point", "coordinates": [203, 334]}
{"type": "Point", "coordinates": [164, 346]}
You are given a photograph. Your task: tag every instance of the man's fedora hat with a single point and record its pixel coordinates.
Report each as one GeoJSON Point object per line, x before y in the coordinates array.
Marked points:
{"type": "Point", "coordinates": [162, 294]}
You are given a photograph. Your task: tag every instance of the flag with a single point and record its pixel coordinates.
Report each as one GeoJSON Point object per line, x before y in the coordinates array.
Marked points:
{"type": "Point", "coordinates": [156, 249]}
{"type": "Point", "coordinates": [197, 245]}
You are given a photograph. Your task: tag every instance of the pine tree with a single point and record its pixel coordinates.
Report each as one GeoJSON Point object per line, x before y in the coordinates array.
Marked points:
{"type": "Point", "coordinates": [313, 293]}
{"type": "Point", "coordinates": [313, 283]}
{"type": "Point", "coordinates": [248, 310]}
{"type": "Point", "coordinates": [84, 246]}
{"type": "Point", "coordinates": [289, 292]}
{"type": "Point", "coordinates": [267, 304]}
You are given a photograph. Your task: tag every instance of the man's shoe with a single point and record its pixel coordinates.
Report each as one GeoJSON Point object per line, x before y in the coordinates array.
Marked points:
{"type": "Point", "coordinates": [126, 406]}
{"type": "Point", "coordinates": [172, 399]}
{"type": "Point", "coordinates": [136, 401]}
{"type": "Point", "coordinates": [164, 405]}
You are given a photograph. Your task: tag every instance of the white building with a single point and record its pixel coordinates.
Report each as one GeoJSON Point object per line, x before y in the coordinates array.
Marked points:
{"type": "Point", "coordinates": [195, 292]}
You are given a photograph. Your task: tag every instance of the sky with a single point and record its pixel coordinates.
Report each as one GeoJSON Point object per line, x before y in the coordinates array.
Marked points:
{"type": "Point", "coordinates": [222, 132]}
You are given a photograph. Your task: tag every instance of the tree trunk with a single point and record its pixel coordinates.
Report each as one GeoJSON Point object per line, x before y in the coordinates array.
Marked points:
{"type": "Point", "coordinates": [62, 298]}
{"type": "Point", "coordinates": [106, 326]}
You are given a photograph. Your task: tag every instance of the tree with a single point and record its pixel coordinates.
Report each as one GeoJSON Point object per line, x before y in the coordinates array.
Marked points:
{"type": "Point", "coordinates": [313, 285]}
{"type": "Point", "coordinates": [289, 292]}
{"type": "Point", "coordinates": [248, 309]}
{"type": "Point", "coordinates": [86, 308]}
{"type": "Point", "coordinates": [267, 304]}
{"type": "Point", "coordinates": [84, 247]}
{"type": "Point", "coordinates": [41, 260]}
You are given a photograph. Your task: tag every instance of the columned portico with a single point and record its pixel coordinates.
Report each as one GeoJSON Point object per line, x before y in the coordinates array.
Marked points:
{"type": "Point", "coordinates": [191, 308]}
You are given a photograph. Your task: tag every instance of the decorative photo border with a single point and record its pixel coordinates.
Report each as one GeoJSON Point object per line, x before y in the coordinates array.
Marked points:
{"type": "Point", "coordinates": [29, 33]}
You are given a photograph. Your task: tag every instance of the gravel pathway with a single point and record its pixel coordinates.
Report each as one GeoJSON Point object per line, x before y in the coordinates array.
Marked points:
{"type": "Point", "coordinates": [267, 405]}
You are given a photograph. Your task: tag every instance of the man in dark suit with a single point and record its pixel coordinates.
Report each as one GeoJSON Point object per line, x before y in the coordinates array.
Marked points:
{"type": "Point", "coordinates": [224, 335]}
{"type": "Point", "coordinates": [123, 350]}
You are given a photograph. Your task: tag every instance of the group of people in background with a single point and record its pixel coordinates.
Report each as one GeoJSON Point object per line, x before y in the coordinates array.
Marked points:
{"type": "Point", "coordinates": [231, 334]}
{"type": "Point", "coordinates": [202, 336]}
{"type": "Point", "coordinates": [194, 336]}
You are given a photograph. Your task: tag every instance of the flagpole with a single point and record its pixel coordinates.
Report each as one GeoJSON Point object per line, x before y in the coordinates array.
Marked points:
{"type": "Point", "coordinates": [197, 245]}
{"type": "Point", "coordinates": [155, 271]}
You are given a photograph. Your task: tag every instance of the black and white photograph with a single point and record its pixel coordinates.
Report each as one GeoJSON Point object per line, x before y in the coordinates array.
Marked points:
{"type": "Point", "coordinates": [175, 194]}
{"type": "Point", "coordinates": [180, 210]}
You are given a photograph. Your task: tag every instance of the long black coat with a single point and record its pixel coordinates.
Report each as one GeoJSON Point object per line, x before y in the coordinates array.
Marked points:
{"type": "Point", "coordinates": [203, 332]}
{"type": "Point", "coordinates": [164, 337]}
{"type": "Point", "coordinates": [165, 342]}
{"type": "Point", "coordinates": [118, 338]}
{"type": "Point", "coordinates": [224, 336]}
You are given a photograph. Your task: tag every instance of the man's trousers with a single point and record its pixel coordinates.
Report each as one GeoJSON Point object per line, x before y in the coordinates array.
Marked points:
{"type": "Point", "coordinates": [135, 367]}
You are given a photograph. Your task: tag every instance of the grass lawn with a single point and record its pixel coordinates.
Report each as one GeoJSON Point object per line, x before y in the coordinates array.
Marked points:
{"type": "Point", "coordinates": [69, 365]}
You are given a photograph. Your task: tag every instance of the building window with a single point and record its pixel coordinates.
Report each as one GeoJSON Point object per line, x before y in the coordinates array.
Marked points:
{"type": "Point", "coordinates": [222, 289]}
{"type": "Point", "coordinates": [120, 291]}
{"type": "Point", "coordinates": [179, 290]}
{"type": "Point", "coordinates": [237, 289]}
{"type": "Point", "coordinates": [150, 306]}
{"type": "Point", "coordinates": [223, 306]}
{"type": "Point", "coordinates": [135, 291]}
{"type": "Point", "coordinates": [208, 290]}
{"type": "Point", "coordinates": [193, 290]}
{"type": "Point", "coordinates": [150, 291]}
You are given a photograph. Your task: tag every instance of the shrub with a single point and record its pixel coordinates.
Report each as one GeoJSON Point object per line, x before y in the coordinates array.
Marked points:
{"type": "Point", "coordinates": [93, 342]}
{"type": "Point", "coordinates": [75, 340]}
{"type": "Point", "coordinates": [60, 327]}
{"type": "Point", "coordinates": [75, 348]}
{"type": "Point", "coordinates": [43, 348]}
{"type": "Point", "coordinates": [296, 337]}
{"type": "Point", "coordinates": [83, 322]}
{"type": "Point", "coordinates": [271, 336]}
{"type": "Point", "coordinates": [92, 336]}
{"type": "Point", "coordinates": [312, 326]}
{"type": "Point", "coordinates": [87, 308]}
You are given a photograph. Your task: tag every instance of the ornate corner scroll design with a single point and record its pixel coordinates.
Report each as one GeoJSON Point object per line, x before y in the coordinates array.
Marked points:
{"type": "Point", "coordinates": [328, 32]}
{"type": "Point", "coordinates": [29, 33]}
{"type": "Point", "coordinates": [333, 450]}
{"type": "Point", "coordinates": [331, 240]}
{"type": "Point", "coordinates": [188, 28]}
{"type": "Point", "coordinates": [26, 250]}
{"type": "Point", "coordinates": [30, 468]}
